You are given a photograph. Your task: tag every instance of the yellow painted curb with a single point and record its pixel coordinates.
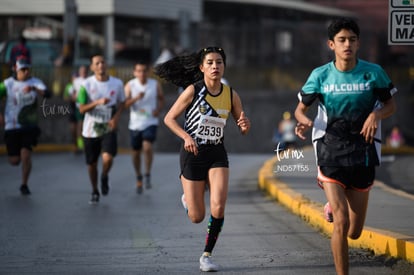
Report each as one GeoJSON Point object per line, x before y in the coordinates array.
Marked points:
{"type": "Point", "coordinates": [381, 242]}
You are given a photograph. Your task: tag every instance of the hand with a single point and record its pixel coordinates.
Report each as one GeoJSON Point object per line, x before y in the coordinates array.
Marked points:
{"type": "Point", "coordinates": [103, 101]}
{"type": "Point", "coordinates": [155, 112]}
{"type": "Point", "coordinates": [370, 127]}
{"type": "Point", "coordinates": [28, 89]}
{"type": "Point", "coordinates": [190, 145]}
{"type": "Point", "coordinates": [244, 123]}
{"type": "Point", "coordinates": [112, 124]}
{"type": "Point", "coordinates": [139, 96]}
{"type": "Point", "coordinates": [301, 129]}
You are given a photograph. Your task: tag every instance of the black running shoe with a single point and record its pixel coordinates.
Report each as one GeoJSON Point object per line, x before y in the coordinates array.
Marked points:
{"type": "Point", "coordinates": [104, 185]}
{"type": "Point", "coordinates": [94, 198]}
{"type": "Point", "coordinates": [139, 185]}
{"type": "Point", "coordinates": [24, 190]}
{"type": "Point", "coordinates": [148, 181]}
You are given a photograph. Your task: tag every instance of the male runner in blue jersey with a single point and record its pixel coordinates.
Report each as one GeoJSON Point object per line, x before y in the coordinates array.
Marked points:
{"type": "Point", "coordinates": [354, 96]}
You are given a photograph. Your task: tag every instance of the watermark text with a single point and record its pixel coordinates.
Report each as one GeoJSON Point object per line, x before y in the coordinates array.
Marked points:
{"type": "Point", "coordinates": [288, 153]}
{"type": "Point", "coordinates": [49, 110]}
{"type": "Point", "coordinates": [289, 160]}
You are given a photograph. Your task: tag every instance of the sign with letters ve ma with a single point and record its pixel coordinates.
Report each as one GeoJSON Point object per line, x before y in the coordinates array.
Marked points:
{"type": "Point", "coordinates": [401, 22]}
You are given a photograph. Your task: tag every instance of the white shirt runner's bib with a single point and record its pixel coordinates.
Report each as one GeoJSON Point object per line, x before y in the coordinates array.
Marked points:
{"type": "Point", "coordinates": [101, 114]}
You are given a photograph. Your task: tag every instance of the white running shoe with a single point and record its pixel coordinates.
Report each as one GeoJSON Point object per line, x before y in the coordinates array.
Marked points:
{"type": "Point", "coordinates": [206, 264]}
{"type": "Point", "coordinates": [184, 203]}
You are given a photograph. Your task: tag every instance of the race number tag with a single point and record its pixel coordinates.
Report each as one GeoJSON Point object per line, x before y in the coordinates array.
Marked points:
{"type": "Point", "coordinates": [211, 128]}
{"type": "Point", "coordinates": [24, 99]}
{"type": "Point", "coordinates": [101, 115]}
{"type": "Point", "coordinates": [141, 114]}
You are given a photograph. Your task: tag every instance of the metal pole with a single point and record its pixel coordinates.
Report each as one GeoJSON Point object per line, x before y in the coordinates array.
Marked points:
{"type": "Point", "coordinates": [70, 30]}
{"type": "Point", "coordinates": [109, 39]}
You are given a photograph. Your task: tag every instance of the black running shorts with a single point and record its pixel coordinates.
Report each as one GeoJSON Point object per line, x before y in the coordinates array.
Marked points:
{"type": "Point", "coordinates": [17, 139]}
{"type": "Point", "coordinates": [209, 156]}
{"type": "Point", "coordinates": [360, 178]}
{"type": "Point", "coordinates": [106, 143]}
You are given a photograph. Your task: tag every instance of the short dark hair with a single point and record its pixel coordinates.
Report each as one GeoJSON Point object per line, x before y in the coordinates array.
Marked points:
{"type": "Point", "coordinates": [342, 23]}
{"type": "Point", "coordinates": [96, 55]}
{"type": "Point", "coordinates": [141, 62]}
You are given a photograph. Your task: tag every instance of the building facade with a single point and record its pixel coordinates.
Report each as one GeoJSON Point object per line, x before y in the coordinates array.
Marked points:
{"type": "Point", "coordinates": [265, 32]}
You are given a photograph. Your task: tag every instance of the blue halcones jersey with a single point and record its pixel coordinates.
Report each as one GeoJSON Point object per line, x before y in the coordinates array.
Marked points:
{"type": "Point", "coordinates": [345, 101]}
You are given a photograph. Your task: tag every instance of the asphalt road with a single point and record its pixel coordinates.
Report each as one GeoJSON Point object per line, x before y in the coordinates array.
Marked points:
{"type": "Point", "coordinates": [56, 231]}
{"type": "Point", "coordinates": [397, 171]}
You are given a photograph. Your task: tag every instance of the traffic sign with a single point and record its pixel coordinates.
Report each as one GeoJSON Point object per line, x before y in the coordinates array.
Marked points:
{"type": "Point", "coordinates": [401, 22]}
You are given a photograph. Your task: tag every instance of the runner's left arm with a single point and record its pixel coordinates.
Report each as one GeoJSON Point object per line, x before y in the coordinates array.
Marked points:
{"type": "Point", "coordinates": [237, 111]}
{"type": "Point", "coordinates": [113, 123]}
{"type": "Point", "coordinates": [371, 123]}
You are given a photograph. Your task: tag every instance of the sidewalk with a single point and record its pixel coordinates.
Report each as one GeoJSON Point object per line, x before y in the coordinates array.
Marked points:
{"type": "Point", "coordinates": [290, 178]}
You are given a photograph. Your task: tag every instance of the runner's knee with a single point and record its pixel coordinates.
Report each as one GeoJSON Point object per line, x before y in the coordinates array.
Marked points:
{"type": "Point", "coordinates": [341, 225]}
{"type": "Point", "coordinates": [196, 217]}
{"type": "Point", "coordinates": [14, 161]}
{"type": "Point", "coordinates": [354, 235]}
{"type": "Point", "coordinates": [355, 232]}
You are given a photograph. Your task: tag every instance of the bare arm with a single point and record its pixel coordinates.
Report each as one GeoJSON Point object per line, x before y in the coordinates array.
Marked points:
{"type": "Point", "coordinates": [371, 123]}
{"type": "Point", "coordinates": [304, 122]}
{"type": "Point", "coordinates": [113, 123]}
{"type": "Point", "coordinates": [83, 108]}
{"type": "Point", "coordinates": [129, 99]}
{"type": "Point", "coordinates": [170, 119]}
{"type": "Point", "coordinates": [237, 111]}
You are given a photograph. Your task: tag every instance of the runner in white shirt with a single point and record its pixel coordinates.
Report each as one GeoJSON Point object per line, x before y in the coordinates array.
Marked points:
{"type": "Point", "coordinates": [145, 98]}
{"type": "Point", "coordinates": [20, 117]}
{"type": "Point", "coordinates": [101, 99]}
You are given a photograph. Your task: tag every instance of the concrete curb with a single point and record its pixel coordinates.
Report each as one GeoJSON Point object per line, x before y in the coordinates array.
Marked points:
{"type": "Point", "coordinates": [379, 241]}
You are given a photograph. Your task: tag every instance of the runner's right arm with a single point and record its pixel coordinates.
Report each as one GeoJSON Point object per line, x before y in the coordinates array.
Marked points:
{"type": "Point", "coordinates": [84, 106]}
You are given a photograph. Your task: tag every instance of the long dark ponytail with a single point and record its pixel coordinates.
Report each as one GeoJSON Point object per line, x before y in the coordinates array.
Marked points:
{"type": "Point", "coordinates": [184, 70]}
